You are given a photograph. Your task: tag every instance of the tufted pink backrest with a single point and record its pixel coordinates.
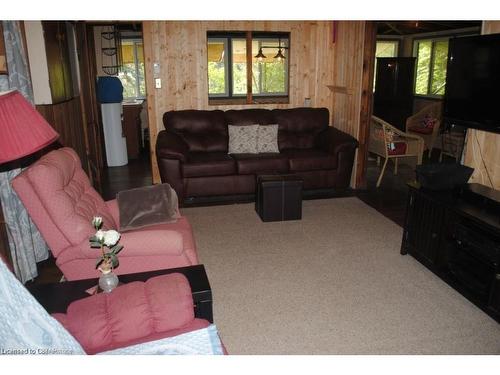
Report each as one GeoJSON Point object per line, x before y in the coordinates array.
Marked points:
{"type": "Point", "coordinates": [60, 200]}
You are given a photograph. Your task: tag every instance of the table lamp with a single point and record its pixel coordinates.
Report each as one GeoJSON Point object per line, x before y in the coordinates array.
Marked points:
{"type": "Point", "coordinates": [23, 130]}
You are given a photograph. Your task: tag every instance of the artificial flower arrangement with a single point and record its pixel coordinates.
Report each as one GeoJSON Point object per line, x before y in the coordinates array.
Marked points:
{"type": "Point", "coordinates": [105, 238]}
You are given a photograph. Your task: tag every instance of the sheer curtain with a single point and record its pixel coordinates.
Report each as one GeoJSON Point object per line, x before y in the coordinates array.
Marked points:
{"type": "Point", "coordinates": [26, 244]}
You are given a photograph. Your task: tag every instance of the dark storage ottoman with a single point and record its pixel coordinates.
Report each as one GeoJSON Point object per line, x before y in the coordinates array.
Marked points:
{"type": "Point", "coordinates": [279, 197]}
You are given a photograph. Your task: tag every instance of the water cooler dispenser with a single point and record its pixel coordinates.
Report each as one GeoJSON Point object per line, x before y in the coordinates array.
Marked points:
{"type": "Point", "coordinates": [110, 96]}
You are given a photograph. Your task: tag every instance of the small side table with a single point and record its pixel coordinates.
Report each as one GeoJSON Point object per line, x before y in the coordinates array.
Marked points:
{"type": "Point", "coordinates": [56, 297]}
{"type": "Point", "coordinates": [279, 197]}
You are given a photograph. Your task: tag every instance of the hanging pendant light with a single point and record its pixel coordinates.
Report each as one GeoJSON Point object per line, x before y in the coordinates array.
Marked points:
{"type": "Point", "coordinates": [260, 56]}
{"type": "Point", "coordinates": [279, 56]}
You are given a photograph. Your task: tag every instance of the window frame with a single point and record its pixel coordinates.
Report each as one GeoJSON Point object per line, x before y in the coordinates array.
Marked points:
{"type": "Point", "coordinates": [135, 41]}
{"type": "Point", "coordinates": [249, 97]}
{"type": "Point", "coordinates": [287, 68]}
{"type": "Point", "coordinates": [227, 79]}
{"type": "Point", "coordinates": [433, 41]}
{"type": "Point", "coordinates": [395, 41]}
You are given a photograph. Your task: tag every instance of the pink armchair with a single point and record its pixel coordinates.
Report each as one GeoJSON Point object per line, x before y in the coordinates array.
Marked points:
{"type": "Point", "coordinates": [137, 317]}
{"type": "Point", "coordinates": [61, 202]}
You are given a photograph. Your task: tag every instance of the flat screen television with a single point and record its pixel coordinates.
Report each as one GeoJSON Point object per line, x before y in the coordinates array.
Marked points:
{"type": "Point", "coordinates": [472, 94]}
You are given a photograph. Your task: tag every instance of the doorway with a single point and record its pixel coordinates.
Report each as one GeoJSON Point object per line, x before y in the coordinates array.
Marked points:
{"type": "Point", "coordinates": [119, 53]}
{"type": "Point", "coordinates": [421, 86]}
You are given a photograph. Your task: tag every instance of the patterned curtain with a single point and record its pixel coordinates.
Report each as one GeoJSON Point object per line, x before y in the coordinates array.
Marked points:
{"type": "Point", "coordinates": [26, 244]}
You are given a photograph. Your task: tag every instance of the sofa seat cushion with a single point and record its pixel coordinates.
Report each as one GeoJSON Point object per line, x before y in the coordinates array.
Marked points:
{"type": "Point", "coordinates": [200, 164]}
{"type": "Point", "coordinates": [310, 160]}
{"type": "Point", "coordinates": [261, 163]}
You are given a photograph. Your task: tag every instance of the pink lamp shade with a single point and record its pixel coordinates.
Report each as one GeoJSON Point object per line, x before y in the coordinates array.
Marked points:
{"type": "Point", "coordinates": [23, 130]}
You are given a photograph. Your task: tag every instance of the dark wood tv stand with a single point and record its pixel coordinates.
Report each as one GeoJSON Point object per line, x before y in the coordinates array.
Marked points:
{"type": "Point", "coordinates": [456, 234]}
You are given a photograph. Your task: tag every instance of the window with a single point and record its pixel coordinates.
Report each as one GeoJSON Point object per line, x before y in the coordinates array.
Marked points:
{"type": "Point", "coordinates": [228, 66]}
{"type": "Point", "coordinates": [432, 57]}
{"type": "Point", "coordinates": [384, 48]}
{"type": "Point", "coordinates": [132, 70]}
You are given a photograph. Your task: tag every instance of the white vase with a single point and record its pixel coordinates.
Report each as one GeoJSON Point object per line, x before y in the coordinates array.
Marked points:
{"type": "Point", "coordinates": [108, 281]}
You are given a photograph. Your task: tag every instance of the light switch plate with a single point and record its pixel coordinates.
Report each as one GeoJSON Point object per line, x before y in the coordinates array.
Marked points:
{"type": "Point", "coordinates": [158, 83]}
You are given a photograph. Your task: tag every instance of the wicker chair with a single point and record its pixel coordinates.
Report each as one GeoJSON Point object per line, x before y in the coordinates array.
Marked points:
{"type": "Point", "coordinates": [426, 123]}
{"type": "Point", "coordinates": [391, 143]}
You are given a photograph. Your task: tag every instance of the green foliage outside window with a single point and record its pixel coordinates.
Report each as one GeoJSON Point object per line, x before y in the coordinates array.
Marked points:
{"type": "Point", "coordinates": [216, 78]}
{"type": "Point", "coordinates": [423, 64]}
{"type": "Point", "coordinates": [239, 78]}
{"type": "Point", "coordinates": [439, 69]}
{"type": "Point", "coordinates": [432, 56]}
{"type": "Point", "coordinates": [269, 77]}
{"type": "Point", "coordinates": [132, 70]}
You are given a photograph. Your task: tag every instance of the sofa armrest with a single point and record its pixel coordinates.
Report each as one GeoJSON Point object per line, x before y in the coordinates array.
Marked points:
{"type": "Point", "coordinates": [151, 242]}
{"type": "Point", "coordinates": [343, 148]}
{"type": "Point", "coordinates": [335, 141]}
{"type": "Point", "coordinates": [142, 242]}
{"type": "Point", "coordinates": [171, 146]}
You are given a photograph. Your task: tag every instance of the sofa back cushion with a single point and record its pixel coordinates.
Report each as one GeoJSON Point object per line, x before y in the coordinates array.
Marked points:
{"type": "Point", "coordinates": [299, 127]}
{"type": "Point", "coordinates": [249, 116]}
{"type": "Point", "coordinates": [203, 131]}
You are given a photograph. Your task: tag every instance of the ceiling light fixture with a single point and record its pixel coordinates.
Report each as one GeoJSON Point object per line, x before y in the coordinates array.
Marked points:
{"type": "Point", "coordinates": [260, 56]}
{"type": "Point", "coordinates": [280, 57]}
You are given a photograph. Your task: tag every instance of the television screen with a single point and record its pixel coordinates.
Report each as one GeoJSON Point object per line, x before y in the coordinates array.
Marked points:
{"type": "Point", "coordinates": [472, 96]}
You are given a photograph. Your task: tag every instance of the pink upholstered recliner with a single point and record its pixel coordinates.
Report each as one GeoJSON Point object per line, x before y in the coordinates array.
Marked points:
{"type": "Point", "coordinates": [61, 202]}
{"type": "Point", "coordinates": [136, 318]}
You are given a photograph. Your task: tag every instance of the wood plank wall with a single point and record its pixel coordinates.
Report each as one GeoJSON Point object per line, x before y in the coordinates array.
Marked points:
{"type": "Point", "coordinates": [483, 148]}
{"type": "Point", "coordinates": [66, 119]}
{"type": "Point", "coordinates": [347, 88]}
{"type": "Point", "coordinates": [180, 49]}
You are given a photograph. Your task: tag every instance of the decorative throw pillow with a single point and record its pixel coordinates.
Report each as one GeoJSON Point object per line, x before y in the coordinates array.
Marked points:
{"type": "Point", "coordinates": [429, 122]}
{"type": "Point", "coordinates": [243, 139]}
{"type": "Point", "coordinates": [149, 205]}
{"type": "Point", "coordinates": [396, 148]}
{"type": "Point", "coordinates": [267, 138]}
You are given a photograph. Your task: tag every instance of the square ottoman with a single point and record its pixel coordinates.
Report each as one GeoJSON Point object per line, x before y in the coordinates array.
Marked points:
{"type": "Point", "coordinates": [279, 197]}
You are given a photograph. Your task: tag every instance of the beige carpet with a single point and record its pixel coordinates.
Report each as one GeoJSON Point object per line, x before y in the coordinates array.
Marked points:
{"type": "Point", "coordinates": [332, 283]}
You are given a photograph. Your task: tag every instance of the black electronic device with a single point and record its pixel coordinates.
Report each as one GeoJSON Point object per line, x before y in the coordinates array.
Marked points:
{"type": "Point", "coordinates": [442, 176]}
{"type": "Point", "coordinates": [472, 94]}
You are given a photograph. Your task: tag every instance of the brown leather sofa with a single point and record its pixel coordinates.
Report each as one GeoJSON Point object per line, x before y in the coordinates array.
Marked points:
{"type": "Point", "coordinates": [193, 157]}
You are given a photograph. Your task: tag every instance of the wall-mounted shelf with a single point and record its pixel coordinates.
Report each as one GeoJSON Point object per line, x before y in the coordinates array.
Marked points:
{"type": "Point", "coordinates": [339, 89]}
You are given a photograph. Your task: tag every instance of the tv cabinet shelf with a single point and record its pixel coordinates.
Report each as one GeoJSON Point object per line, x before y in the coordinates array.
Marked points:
{"type": "Point", "coordinates": [456, 234]}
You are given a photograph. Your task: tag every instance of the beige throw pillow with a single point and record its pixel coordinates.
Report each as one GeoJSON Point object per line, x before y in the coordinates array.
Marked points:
{"type": "Point", "coordinates": [267, 138]}
{"type": "Point", "coordinates": [243, 139]}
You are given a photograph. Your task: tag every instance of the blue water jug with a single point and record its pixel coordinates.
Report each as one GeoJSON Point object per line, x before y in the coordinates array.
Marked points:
{"type": "Point", "coordinates": [109, 90]}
